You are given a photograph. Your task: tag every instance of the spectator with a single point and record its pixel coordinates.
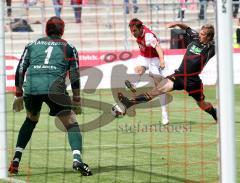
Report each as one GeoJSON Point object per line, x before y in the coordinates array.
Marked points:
{"type": "Point", "coordinates": [235, 8]}
{"type": "Point", "coordinates": [58, 7]}
{"type": "Point", "coordinates": [9, 9]}
{"type": "Point", "coordinates": [76, 8]}
{"type": "Point", "coordinates": [203, 8]}
{"type": "Point", "coordinates": [182, 9]}
{"type": "Point", "coordinates": [183, 5]}
{"type": "Point", "coordinates": [28, 3]}
{"type": "Point", "coordinates": [134, 4]}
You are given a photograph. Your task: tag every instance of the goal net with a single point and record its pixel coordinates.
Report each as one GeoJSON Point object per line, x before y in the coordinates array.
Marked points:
{"type": "Point", "coordinates": [136, 147]}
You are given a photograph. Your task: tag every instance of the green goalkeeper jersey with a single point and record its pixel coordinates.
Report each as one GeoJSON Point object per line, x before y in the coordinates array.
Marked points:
{"type": "Point", "coordinates": [46, 62]}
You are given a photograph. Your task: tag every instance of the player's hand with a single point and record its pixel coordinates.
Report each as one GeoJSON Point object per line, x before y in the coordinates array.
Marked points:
{"type": "Point", "coordinates": [76, 105]}
{"type": "Point", "coordinates": [18, 104]}
{"type": "Point", "coordinates": [171, 25]}
{"type": "Point", "coordinates": [140, 70]}
{"type": "Point", "coordinates": [162, 65]}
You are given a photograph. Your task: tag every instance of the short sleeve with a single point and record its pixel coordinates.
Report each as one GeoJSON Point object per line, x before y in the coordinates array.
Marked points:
{"type": "Point", "coordinates": [151, 40]}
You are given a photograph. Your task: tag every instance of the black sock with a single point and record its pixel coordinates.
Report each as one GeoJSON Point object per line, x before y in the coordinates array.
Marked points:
{"type": "Point", "coordinates": [24, 136]}
{"type": "Point", "coordinates": [142, 98]}
{"type": "Point", "coordinates": [17, 156]}
{"type": "Point", "coordinates": [211, 110]}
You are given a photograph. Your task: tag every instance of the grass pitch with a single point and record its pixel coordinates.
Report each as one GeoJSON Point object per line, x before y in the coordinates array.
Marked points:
{"type": "Point", "coordinates": [129, 149]}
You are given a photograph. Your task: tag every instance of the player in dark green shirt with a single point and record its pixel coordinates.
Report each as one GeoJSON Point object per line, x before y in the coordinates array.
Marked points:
{"type": "Point", "coordinates": [45, 63]}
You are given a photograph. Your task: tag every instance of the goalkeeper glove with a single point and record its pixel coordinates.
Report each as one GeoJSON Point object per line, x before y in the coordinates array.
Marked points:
{"type": "Point", "coordinates": [18, 104]}
{"type": "Point", "coordinates": [76, 104]}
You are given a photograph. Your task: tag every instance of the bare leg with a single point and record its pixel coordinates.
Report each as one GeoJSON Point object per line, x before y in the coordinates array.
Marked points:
{"type": "Point", "coordinates": [164, 86]}
{"type": "Point", "coordinates": [163, 101]}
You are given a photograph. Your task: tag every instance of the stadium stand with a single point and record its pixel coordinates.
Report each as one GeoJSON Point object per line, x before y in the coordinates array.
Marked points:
{"type": "Point", "coordinates": [104, 24]}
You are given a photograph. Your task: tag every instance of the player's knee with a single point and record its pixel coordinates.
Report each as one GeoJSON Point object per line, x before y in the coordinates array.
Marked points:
{"type": "Point", "coordinates": [139, 69]}
{"type": "Point", "coordinates": [73, 127]}
{"type": "Point", "coordinates": [156, 78]}
{"type": "Point", "coordinates": [164, 86]}
{"type": "Point", "coordinates": [67, 119]}
{"type": "Point", "coordinates": [33, 117]}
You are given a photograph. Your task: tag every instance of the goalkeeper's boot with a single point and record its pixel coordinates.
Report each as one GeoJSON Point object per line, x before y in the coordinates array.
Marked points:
{"type": "Point", "coordinates": [82, 168]}
{"type": "Point", "coordinates": [125, 101]}
{"type": "Point", "coordinates": [13, 168]}
{"type": "Point", "coordinates": [130, 86]}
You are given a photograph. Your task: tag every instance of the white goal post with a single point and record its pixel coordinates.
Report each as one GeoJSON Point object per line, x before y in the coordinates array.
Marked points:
{"type": "Point", "coordinates": [3, 128]}
{"type": "Point", "coordinates": [227, 145]}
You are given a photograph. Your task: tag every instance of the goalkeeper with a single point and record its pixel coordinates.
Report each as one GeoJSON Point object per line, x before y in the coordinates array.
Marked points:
{"type": "Point", "coordinates": [46, 63]}
{"type": "Point", "coordinates": [199, 51]}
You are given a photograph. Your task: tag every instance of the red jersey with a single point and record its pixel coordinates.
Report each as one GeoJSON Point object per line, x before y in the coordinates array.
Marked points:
{"type": "Point", "coordinates": [147, 43]}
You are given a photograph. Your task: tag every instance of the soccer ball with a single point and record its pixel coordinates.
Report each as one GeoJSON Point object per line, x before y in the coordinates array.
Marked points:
{"type": "Point", "coordinates": [118, 110]}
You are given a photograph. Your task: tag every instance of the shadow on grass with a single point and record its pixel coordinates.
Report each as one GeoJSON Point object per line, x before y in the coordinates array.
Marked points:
{"type": "Point", "coordinates": [105, 169]}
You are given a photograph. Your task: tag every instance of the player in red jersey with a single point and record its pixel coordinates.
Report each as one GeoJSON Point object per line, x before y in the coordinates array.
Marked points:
{"type": "Point", "coordinates": [200, 49]}
{"type": "Point", "coordinates": [151, 58]}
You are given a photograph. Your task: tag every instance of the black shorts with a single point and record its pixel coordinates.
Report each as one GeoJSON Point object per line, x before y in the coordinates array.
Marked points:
{"type": "Point", "coordinates": [192, 84]}
{"type": "Point", "coordinates": [58, 104]}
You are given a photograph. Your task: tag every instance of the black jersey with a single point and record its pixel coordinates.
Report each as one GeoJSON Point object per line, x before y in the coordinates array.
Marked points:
{"type": "Point", "coordinates": [197, 55]}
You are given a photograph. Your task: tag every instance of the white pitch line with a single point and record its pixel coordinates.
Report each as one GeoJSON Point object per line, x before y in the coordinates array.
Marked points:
{"type": "Point", "coordinates": [12, 180]}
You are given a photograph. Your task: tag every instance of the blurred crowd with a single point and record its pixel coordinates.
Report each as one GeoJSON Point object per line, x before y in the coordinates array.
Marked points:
{"type": "Point", "coordinates": [129, 6]}
{"type": "Point", "coordinates": [203, 4]}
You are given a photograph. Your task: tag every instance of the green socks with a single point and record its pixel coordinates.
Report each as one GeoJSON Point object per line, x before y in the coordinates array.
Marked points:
{"type": "Point", "coordinates": [75, 141]}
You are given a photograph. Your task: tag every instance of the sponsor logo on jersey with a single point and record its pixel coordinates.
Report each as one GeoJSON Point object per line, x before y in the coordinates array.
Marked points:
{"type": "Point", "coordinates": [196, 50]}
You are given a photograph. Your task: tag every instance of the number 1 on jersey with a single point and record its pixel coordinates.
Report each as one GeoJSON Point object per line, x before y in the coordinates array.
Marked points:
{"type": "Point", "coordinates": [49, 52]}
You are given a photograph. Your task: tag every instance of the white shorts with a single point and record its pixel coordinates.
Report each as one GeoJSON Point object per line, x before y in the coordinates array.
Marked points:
{"type": "Point", "coordinates": [151, 64]}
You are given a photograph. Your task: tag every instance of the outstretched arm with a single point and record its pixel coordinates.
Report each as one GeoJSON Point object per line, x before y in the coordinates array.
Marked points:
{"type": "Point", "coordinates": [180, 25]}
